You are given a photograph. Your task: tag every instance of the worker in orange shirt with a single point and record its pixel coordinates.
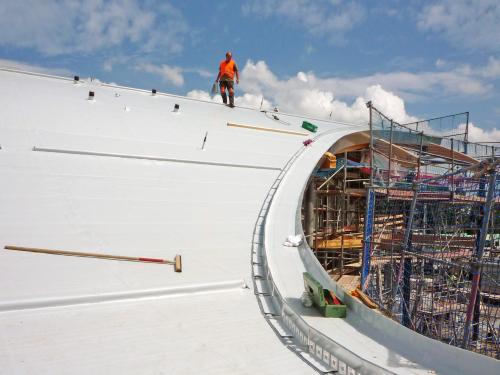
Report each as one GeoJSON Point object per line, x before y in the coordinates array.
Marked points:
{"type": "Point", "coordinates": [227, 70]}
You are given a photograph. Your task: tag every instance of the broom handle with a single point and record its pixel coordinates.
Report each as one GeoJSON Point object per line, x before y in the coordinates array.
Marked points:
{"type": "Point", "coordinates": [88, 255]}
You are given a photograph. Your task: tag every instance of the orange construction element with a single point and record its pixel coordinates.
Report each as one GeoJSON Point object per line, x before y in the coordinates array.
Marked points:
{"type": "Point", "coordinates": [347, 241]}
{"type": "Point", "coordinates": [329, 162]}
{"type": "Point", "coordinates": [364, 298]}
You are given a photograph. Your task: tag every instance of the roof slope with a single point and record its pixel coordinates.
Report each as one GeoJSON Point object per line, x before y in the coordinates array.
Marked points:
{"type": "Point", "coordinates": [126, 175]}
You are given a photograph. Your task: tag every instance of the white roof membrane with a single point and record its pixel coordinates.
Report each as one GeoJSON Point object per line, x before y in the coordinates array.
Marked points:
{"type": "Point", "coordinates": [124, 174]}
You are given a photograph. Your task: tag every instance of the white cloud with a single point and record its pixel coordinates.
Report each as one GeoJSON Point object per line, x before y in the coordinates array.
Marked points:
{"type": "Point", "coordinates": [492, 69]}
{"type": "Point", "coordinates": [201, 72]}
{"type": "Point", "coordinates": [203, 95]}
{"type": "Point", "coordinates": [172, 74]}
{"type": "Point", "coordinates": [401, 84]}
{"type": "Point", "coordinates": [302, 76]}
{"type": "Point", "coordinates": [318, 17]}
{"type": "Point", "coordinates": [307, 94]}
{"type": "Point", "coordinates": [477, 134]}
{"type": "Point", "coordinates": [108, 65]}
{"type": "Point", "coordinates": [111, 62]}
{"type": "Point", "coordinates": [19, 65]}
{"type": "Point", "coordinates": [300, 94]}
{"type": "Point", "coordinates": [310, 49]}
{"type": "Point", "coordinates": [440, 63]}
{"type": "Point", "coordinates": [410, 86]}
{"type": "Point", "coordinates": [470, 24]}
{"type": "Point", "coordinates": [247, 100]}
{"type": "Point", "coordinates": [56, 27]}
{"type": "Point", "coordinates": [472, 78]}
{"type": "Point", "coordinates": [388, 103]}
{"type": "Point", "coordinates": [253, 101]}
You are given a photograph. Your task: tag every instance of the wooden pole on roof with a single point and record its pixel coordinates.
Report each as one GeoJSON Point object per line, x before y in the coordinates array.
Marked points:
{"type": "Point", "coordinates": [176, 262]}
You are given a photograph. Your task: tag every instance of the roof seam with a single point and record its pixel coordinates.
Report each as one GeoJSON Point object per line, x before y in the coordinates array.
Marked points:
{"type": "Point", "coordinates": [153, 158]}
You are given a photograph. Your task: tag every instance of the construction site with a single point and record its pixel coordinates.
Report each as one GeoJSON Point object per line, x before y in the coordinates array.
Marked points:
{"type": "Point", "coordinates": [104, 186]}
{"type": "Point", "coordinates": [411, 217]}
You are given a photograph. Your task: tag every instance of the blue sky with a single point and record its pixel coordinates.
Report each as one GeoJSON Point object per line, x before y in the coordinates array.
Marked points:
{"type": "Point", "coordinates": [414, 59]}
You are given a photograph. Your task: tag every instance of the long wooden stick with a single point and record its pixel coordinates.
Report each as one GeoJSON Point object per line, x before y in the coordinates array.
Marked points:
{"type": "Point", "coordinates": [265, 129]}
{"type": "Point", "coordinates": [176, 262]}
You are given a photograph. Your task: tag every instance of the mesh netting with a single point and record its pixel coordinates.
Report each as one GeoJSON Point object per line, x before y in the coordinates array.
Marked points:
{"type": "Point", "coordinates": [413, 217]}
{"type": "Point", "coordinates": [432, 256]}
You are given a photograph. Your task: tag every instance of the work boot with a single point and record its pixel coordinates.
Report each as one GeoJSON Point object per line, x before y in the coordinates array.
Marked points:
{"type": "Point", "coordinates": [231, 101]}
{"type": "Point", "coordinates": [224, 98]}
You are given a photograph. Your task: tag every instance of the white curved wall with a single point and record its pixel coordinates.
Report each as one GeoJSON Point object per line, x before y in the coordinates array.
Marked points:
{"type": "Point", "coordinates": [366, 341]}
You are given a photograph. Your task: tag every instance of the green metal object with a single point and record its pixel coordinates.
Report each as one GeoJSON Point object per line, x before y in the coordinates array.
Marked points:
{"type": "Point", "coordinates": [318, 296]}
{"type": "Point", "coordinates": [308, 126]}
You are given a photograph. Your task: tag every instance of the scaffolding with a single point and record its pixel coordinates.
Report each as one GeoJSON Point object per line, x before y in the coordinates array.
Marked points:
{"type": "Point", "coordinates": [338, 196]}
{"type": "Point", "coordinates": [413, 219]}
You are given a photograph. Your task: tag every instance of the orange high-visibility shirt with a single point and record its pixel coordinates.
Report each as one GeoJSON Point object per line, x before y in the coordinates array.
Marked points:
{"type": "Point", "coordinates": [227, 69]}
